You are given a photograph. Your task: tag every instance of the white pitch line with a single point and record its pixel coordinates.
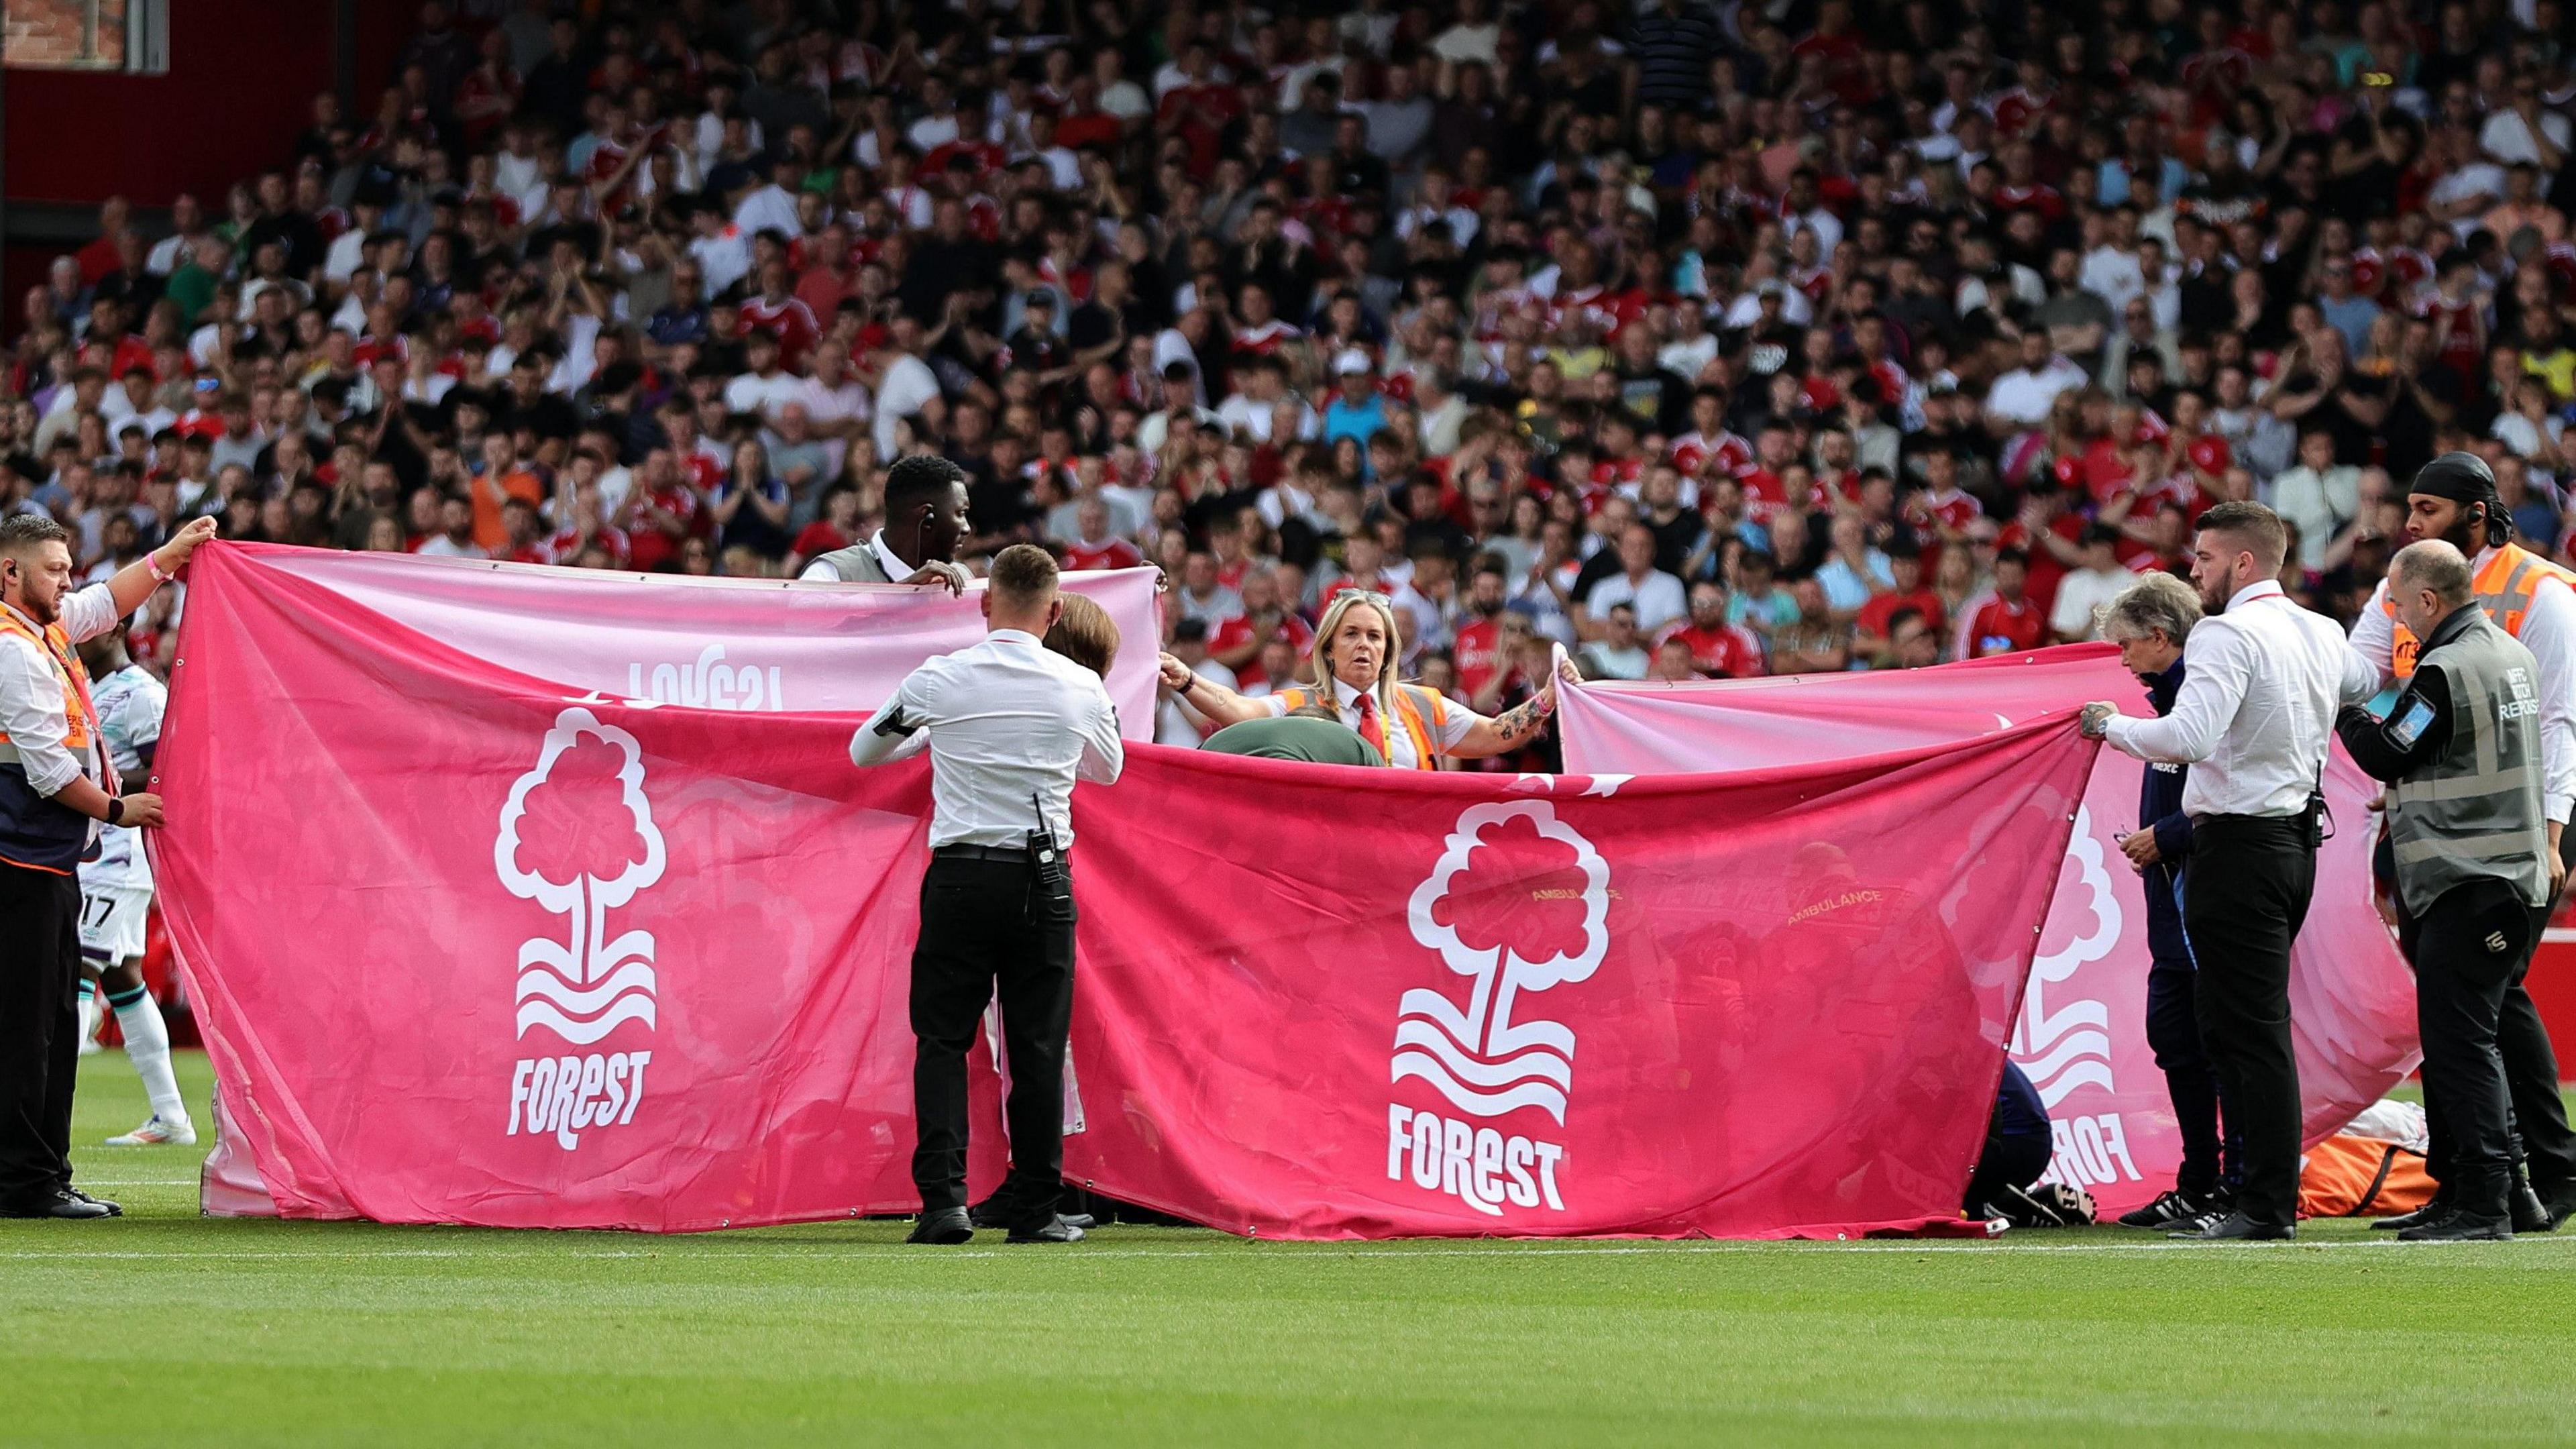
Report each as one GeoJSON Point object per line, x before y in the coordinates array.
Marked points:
{"type": "Point", "coordinates": [877, 1250]}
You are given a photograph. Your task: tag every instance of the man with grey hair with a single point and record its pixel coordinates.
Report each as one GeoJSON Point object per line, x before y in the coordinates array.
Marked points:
{"type": "Point", "coordinates": [2255, 712]}
{"type": "Point", "coordinates": [2461, 749]}
{"type": "Point", "coordinates": [2149, 621]}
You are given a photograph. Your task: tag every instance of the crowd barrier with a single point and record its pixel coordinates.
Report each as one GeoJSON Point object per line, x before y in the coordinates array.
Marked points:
{"type": "Point", "coordinates": [472, 943]}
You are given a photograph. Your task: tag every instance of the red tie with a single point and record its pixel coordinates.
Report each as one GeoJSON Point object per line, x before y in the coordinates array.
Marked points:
{"type": "Point", "coordinates": [1370, 729]}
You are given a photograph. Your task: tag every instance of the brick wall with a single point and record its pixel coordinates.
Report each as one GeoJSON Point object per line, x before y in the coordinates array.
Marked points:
{"type": "Point", "coordinates": [47, 34]}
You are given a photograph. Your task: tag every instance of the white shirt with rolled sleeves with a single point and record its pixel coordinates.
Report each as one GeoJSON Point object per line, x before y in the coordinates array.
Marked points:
{"type": "Point", "coordinates": [33, 712]}
{"type": "Point", "coordinates": [1003, 720]}
{"type": "Point", "coordinates": [2549, 632]}
{"type": "Point", "coordinates": [2256, 709]}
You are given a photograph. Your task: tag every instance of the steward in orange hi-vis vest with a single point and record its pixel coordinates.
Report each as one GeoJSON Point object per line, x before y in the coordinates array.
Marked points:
{"type": "Point", "coordinates": [1419, 713]}
{"type": "Point", "coordinates": [37, 832]}
{"type": "Point", "coordinates": [1358, 644]}
{"type": "Point", "coordinates": [2532, 599]}
{"type": "Point", "coordinates": [2504, 585]}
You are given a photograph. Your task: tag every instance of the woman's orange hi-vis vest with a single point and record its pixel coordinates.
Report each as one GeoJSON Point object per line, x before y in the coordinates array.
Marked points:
{"type": "Point", "coordinates": [1408, 714]}
{"type": "Point", "coordinates": [2503, 585]}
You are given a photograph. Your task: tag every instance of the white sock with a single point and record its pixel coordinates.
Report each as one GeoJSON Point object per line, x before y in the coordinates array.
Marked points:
{"type": "Point", "coordinates": [147, 1044]}
{"type": "Point", "coordinates": [88, 1014]}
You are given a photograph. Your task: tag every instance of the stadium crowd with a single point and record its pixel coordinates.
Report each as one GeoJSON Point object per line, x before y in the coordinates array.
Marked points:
{"type": "Point", "coordinates": [1705, 340]}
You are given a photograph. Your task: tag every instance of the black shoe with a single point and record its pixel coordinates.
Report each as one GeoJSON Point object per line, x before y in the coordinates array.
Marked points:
{"type": "Point", "coordinates": [2238, 1228]}
{"type": "Point", "coordinates": [2530, 1214]}
{"type": "Point", "coordinates": [2174, 1207]}
{"type": "Point", "coordinates": [2560, 1199]}
{"type": "Point", "coordinates": [992, 1212]}
{"type": "Point", "coordinates": [63, 1204]}
{"type": "Point", "coordinates": [2431, 1212]}
{"type": "Point", "coordinates": [113, 1210]}
{"type": "Point", "coordinates": [2462, 1227]}
{"type": "Point", "coordinates": [1059, 1229]}
{"type": "Point", "coordinates": [946, 1227]}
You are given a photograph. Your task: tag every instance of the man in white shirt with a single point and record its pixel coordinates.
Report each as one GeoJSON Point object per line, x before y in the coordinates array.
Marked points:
{"type": "Point", "coordinates": [2525, 132]}
{"type": "Point", "coordinates": [1009, 727]}
{"type": "Point", "coordinates": [2082, 594]}
{"type": "Point", "coordinates": [58, 786]}
{"type": "Point", "coordinates": [2454, 498]}
{"type": "Point", "coordinates": [835, 403]}
{"type": "Point", "coordinates": [767, 387]}
{"type": "Point", "coordinates": [2021, 398]}
{"type": "Point", "coordinates": [188, 225]}
{"type": "Point", "coordinates": [2253, 719]}
{"type": "Point", "coordinates": [1658, 597]}
{"type": "Point", "coordinates": [905, 383]}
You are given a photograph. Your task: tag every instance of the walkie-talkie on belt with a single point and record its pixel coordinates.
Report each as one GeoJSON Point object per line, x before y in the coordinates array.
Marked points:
{"type": "Point", "coordinates": [1055, 877]}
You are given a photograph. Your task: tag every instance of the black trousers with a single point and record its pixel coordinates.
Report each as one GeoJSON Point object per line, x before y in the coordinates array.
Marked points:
{"type": "Point", "coordinates": [2008, 1160]}
{"type": "Point", "coordinates": [2468, 948]}
{"type": "Point", "coordinates": [39, 1031]}
{"type": "Point", "coordinates": [2244, 899]}
{"type": "Point", "coordinates": [983, 923]}
{"type": "Point", "coordinates": [2531, 1065]}
{"type": "Point", "coordinates": [2212, 1155]}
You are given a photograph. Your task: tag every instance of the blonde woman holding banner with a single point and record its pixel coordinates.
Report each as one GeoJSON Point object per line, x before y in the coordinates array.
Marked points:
{"type": "Point", "coordinates": [1356, 646]}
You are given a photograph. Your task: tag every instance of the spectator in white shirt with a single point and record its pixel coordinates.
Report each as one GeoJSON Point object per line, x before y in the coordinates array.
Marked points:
{"type": "Point", "coordinates": [766, 387]}
{"type": "Point", "coordinates": [1658, 597]}
{"type": "Point", "coordinates": [455, 536]}
{"type": "Point", "coordinates": [905, 383]}
{"type": "Point", "coordinates": [2082, 594]}
{"type": "Point", "coordinates": [2525, 132]}
{"type": "Point", "coordinates": [2021, 398]}
{"type": "Point", "coordinates": [1619, 653]}
{"type": "Point", "coordinates": [2318, 496]}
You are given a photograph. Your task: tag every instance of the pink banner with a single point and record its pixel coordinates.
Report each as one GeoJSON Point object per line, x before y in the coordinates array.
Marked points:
{"type": "Point", "coordinates": [714, 643]}
{"type": "Point", "coordinates": [2081, 1033]}
{"type": "Point", "coordinates": [471, 946]}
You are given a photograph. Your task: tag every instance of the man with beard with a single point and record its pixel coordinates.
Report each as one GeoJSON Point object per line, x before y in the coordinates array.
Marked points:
{"type": "Point", "coordinates": [57, 786]}
{"type": "Point", "coordinates": [2455, 499]}
{"type": "Point", "coordinates": [2255, 714]}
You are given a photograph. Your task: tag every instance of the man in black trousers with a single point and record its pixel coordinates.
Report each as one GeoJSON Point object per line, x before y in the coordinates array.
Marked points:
{"type": "Point", "coordinates": [1010, 726]}
{"type": "Point", "coordinates": [2149, 621]}
{"type": "Point", "coordinates": [2253, 716]}
{"type": "Point", "coordinates": [2467, 824]}
{"type": "Point", "coordinates": [2455, 499]}
{"type": "Point", "coordinates": [57, 786]}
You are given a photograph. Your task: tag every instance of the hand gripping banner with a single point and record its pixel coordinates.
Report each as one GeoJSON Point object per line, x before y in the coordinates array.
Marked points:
{"type": "Point", "coordinates": [474, 945]}
{"type": "Point", "coordinates": [2081, 1033]}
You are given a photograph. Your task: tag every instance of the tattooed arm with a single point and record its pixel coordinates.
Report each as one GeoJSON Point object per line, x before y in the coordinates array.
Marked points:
{"type": "Point", "coordinates": [1509, 730]}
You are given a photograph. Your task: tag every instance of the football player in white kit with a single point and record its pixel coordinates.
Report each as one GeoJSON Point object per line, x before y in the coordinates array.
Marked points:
{"type": "Point", "coordinates": [116, 893]}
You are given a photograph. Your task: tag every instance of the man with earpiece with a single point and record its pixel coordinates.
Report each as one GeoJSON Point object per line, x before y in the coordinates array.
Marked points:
{"type": "Point", "coordinates": [58, 786]}
{"type": "Point", "coordinates": [2455, 500]}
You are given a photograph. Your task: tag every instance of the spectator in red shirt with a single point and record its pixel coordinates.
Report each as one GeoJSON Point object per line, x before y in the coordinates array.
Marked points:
{"type": "Point", "coordinates": [1875, 628]}
{"type": "Point", "coordinates": [1094, 546]}
{"type": "Point", "coordinates": [2002, 619]}
{"type": "Point", "coordinates": [1717, 648]}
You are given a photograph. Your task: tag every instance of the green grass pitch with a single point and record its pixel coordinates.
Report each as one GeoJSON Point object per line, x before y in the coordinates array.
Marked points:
{"type": "Point", "coordinates": [167, 1329]}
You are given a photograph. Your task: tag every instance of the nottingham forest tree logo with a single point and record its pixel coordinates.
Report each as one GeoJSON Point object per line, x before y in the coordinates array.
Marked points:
{"type": "Point", "coordinates": [577, 837]}
{"type": "Point", "coordinates": [1518, 903]}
